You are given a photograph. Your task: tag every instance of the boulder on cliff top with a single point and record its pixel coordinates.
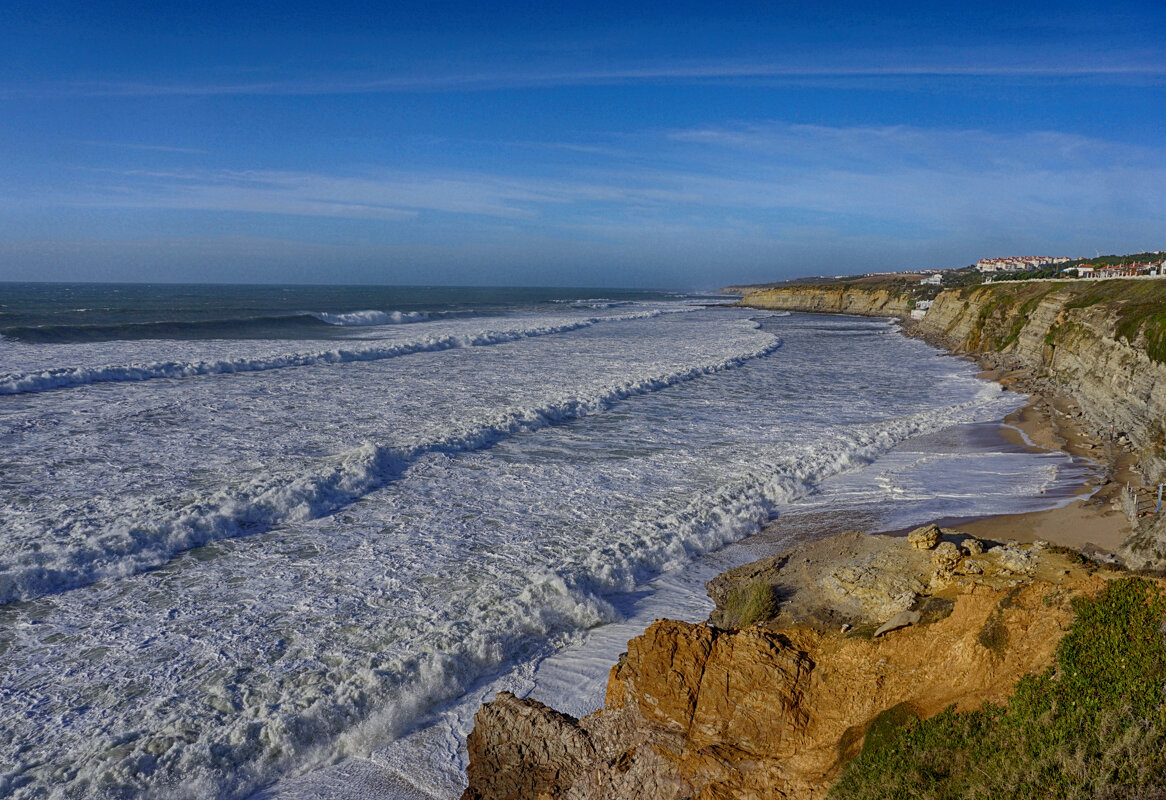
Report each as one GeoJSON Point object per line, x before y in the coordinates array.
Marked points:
{"type": "Point", "coordinates": [863, 580]}
{"type": "Point", "coordinates": [925, 538]}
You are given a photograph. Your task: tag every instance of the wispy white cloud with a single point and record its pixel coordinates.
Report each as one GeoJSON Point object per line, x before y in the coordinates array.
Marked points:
{"type": "Point", "coordinates": [874, 68]}
{"type": "Point", "coordinates": [744, 193]}
{"type": "Point", "coordinates": [157, 148]}
{"type": "Point", "coordinates": [378, 195]}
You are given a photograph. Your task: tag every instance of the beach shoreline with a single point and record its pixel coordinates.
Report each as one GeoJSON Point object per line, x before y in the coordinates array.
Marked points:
{"type": "Point", "coordinates": [1092, 522]}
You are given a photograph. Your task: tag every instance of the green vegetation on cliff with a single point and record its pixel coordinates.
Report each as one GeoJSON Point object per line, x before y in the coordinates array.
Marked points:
{"type": "Point", "coordinates": [1138, 306]}
{"type": "Point", "coordinates": [1004, 312]}
{"type": "Point", "coordinates": [756, 602]}
{"type": "Point", "coordinates": [1093, 725]}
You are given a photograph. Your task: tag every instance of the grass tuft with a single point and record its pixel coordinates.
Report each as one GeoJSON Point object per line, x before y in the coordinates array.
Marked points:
{"type": "Point", "coordinates": [757, 602]}
{"type": "Point", "coordinates": [1091, 726]}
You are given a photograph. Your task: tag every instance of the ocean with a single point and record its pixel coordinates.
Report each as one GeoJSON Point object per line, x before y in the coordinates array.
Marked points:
{"type": "Point", "coordinates": [281, 542]}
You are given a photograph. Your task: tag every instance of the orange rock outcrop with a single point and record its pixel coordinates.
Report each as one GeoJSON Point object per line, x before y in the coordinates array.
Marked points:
{"type": "Point", "coordinates": [693, 711]}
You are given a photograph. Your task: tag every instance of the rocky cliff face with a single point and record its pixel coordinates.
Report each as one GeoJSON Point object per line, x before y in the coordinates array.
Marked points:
{"type": "Point", "coordinates": [774, 710]}
{"type": "Point", "coordinates": [1081, 341]}
{"type": "Point", "coordinates": [1101, 342]}
{"type": "Point", "coordinates": [834, 300]}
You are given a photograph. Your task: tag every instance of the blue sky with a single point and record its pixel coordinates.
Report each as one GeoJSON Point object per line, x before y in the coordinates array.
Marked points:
{"type": "Point", "coordinates": [677, 145]}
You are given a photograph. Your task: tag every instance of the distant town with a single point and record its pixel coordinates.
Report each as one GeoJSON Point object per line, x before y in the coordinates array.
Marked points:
{"type": "Point", "coordinates": [1152, 266]}
{"type": "Point", "coordinates": [926, 283]}
{"type": "Point", "coordinates": [1018, 263]}
{"type": "Point", "coordinates": [1137, 265]}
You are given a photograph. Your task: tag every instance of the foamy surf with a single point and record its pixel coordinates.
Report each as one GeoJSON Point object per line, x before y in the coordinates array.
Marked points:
{"type": "Point", "coordinates": [123, 546]}
{"type": "Point", "coordinates": [414, 531]}
{"type": "Point", "coordinates": [71, 377]}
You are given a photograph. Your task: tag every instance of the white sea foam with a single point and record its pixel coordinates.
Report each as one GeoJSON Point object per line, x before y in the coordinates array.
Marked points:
{"type": "Point", "coordinates": [421, 528]}
{"type": "Point", "coordinates": [70, 377]}
{"type": "Point", "coordinates": [360, 318]}
{"type": "Point", "coordinates": [120, 546]}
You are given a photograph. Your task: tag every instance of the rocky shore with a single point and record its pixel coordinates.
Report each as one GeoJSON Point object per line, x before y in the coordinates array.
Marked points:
{"type": "Point", "coordinates": [850, 628]}
{"type": "Point", "coordinates": [808, 652]}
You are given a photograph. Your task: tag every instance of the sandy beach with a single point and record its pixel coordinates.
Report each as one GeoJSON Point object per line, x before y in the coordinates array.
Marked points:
{"type": "Point", "coordinates": [1095, 522]}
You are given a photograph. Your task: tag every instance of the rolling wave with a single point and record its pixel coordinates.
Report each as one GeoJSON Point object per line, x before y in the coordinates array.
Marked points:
{"type": "Point", "coordinates": [261, 326]}
{"type": "Point", "coordinates": [71, 377]}
{"type": "Point", "coordinates": [132, 544]}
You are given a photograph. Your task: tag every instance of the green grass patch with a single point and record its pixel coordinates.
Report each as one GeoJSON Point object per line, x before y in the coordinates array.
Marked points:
{"type": "Point", "coordinates": [887, 725]}
{"type": "Point", "coordinates": [1091, 726]}
{"type": "Point", "coordinates": [756, 602]}
{"type": "Point", "coordinates": [1140, 308]}
{"type": "Point", "coordinates": [1004, 311]}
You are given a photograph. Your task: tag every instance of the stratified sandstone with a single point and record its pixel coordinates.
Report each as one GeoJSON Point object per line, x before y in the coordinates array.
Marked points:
{"type": "Point", "coordinates": [834, 299]}
{"type": "Point", "coordinates": [775, 710]}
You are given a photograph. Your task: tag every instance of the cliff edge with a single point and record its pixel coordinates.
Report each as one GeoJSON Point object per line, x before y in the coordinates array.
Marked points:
{"type": "Point", "coordinates": [852, 628]}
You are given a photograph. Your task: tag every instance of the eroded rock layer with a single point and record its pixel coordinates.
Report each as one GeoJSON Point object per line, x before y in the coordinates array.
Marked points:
{"type": "Point", "coordinates": [834, 300]}
{"type": "Point", "coordinates": [775, 709]}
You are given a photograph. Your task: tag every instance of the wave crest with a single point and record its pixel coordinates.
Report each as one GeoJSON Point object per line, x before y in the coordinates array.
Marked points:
{"type": "Point", "coordinates": [72, 377]}
{"type": "Point", "coordinates": [371, 317]}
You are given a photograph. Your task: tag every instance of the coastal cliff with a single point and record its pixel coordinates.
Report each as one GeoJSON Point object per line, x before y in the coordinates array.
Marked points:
{"type": "Point", "coordinates": [1101, 342]}
{"type": "Point", "coordinates": [863, 634]}
{"type": "Point", "coordinates": [835, 299]}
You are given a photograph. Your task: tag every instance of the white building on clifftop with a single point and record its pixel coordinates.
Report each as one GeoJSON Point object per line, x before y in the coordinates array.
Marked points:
{"type": "Point", "coordinates": [1018, 263]}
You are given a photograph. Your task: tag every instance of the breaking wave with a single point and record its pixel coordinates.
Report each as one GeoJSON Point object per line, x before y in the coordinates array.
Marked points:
{"type": "Point", "coordinates": [71, 377]}
{"type": "Point", "coordinates": [372, 317]}
{"type": "Point", "coordinates": [131, 544]}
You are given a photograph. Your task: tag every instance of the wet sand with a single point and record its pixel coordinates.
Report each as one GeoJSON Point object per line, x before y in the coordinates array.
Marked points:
{"type": "Point", "coordinates": [1095, 521]}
